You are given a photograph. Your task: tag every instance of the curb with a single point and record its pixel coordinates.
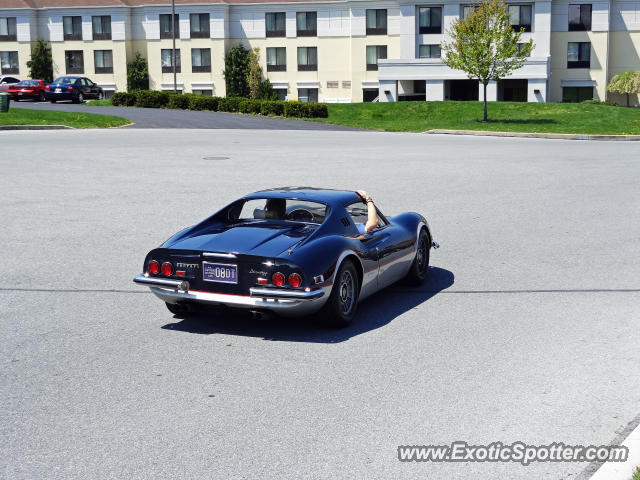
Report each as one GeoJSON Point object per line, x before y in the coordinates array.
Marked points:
{"type": "Point", "coordinates": [557, 136]}
{"type": "Point", "coordinates": [622, 470]}
{"type": "Point", "coordinates": [35, 127]}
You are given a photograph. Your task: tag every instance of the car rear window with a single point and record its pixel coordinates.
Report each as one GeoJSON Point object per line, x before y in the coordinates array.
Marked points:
{"type": "Point", "coordinates": [64, 80]}
{"type": "Point", "coordinates": [29, 83]}
{"type": "Point", "coordinates": [281, 209]}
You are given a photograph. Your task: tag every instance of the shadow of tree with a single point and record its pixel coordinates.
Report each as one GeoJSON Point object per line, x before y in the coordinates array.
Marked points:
{"type": "Point", "coordinates": [374, 312]}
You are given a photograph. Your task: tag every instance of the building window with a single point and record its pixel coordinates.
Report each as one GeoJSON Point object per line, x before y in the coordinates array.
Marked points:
{"type": "Point", "coordinates": [281, 93]}
{"type": "Point", "coordinates": [200, 60]}
{"type": "Point", "coordinates": [9, 63]}
{"type": "Point", "coordinates": [306, 24]}
{"type": "Point", "coordinates": [429, 51]}
{"type": "Point", "coordinates": [74, 61]}
{"type": "Point", "coordinates": [167, 60]}
{"type": "Point", "coordinates": [275, 24]}
{"type": "Point", "coordinates": [206, 92]}
{"type": "Point", "coordinates": [103, 60]}
{"type": "Point", "coordinates": [520, 17]}
{"type": "Point", "coordinates": [577, 94]}
{"type": "Point", "coordinates": [308, 94]}
{"type": "Point", "coordinates": [101, 27]}
{"type": "Point", "coordinates": [579, 55]}
{"type": "Point", "coordinates": [375, 53]}
{"type": "Point", "coordinates": [430, 19]}
{"type": "Point", "coordinates": [165, 25]}
{"type": "Point", "coordinates": [8, 29]}
{"type": "Point", "coordinates": [333, 84]}
{"type": "Point", "coordinates": [307, 59]}
{"type": "Point", "coordinates": [199, 25]}
{"type": "Point", "coordinates": [376, 22]}
{"type": "Point", "coordinates": [520, 46]}
{"type": "Point", "coordinates": [580, 17]}
{"type": "Point", "coordinates": [72, 28]}
{"type": "Point", "coordinates": [467, 10]}
{"type": "Point", "coordinates": [276, 59]}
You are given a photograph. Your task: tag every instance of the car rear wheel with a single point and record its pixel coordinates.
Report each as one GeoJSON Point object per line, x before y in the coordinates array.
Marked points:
{"type": "Point", "coordinates": [342, 304]}
{"type": "Point", "coordinates": [52, 101]}
{"type": "Point", "coordinates": [79, 98]}
{"type": "Point", "coordinates": [420, 266]}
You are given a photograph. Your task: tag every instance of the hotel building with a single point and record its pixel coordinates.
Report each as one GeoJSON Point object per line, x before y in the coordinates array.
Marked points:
{"type": "Point", "coordinates": [328, 51]}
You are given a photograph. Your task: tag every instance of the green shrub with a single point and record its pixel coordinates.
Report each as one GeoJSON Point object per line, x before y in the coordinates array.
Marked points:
{"type": "Point", "coordinates": [230, 104]}
{"type": "Point", "coordinates": [151, 99]}
{"type": "Point", "coordinates": [126, 99]}
{"type": "Point", "coordinates": [270, 107]}
{"type": "Point", "coordinates": [178, 101]}
{"type": "Point", "coordinates": [202, 102]}
{"type": "Point", "coordinates": [317, 110]}
{"type": "Point", "coordinates": [250, 106]}
{"type": "Point", "coordinates": [598, 102]}
{"type": "Point", "coordinates": [305, 110]}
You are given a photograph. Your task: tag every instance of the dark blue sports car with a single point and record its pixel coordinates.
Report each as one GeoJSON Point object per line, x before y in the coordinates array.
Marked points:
{"type": "Point", "coordinates": [292, 251]}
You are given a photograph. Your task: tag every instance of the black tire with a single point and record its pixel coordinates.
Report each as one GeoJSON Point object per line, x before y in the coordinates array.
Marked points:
{"type": "Point", "coordinates": [15, 99]}
{"type": "Point", "coordinates": [177, 308]}
{"type": "Point", "coordinates": [79, 98]}
{"type": "Point", "coordinates": [100, 95]}
{"type": "Point", "coordinates": [342, 304]}
{"type": "Point", "coordinates": [41, 97]}
{"type": "Point", "coordinates": [52, 100]}
{"type": "Point", "coordinates": [420, 267]}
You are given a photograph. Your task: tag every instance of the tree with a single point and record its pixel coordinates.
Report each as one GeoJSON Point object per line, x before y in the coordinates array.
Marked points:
{"type": "Point", "coordinates": [137, 73]}
{"type": "Point", "coordinates": [625, 83]}
{"type": "Point", "coordinates": [485, 45]}
{"type": "Point", "coordinates": [236, 72]}
{"type": "Point", "coordinates": [255, 75]}
{"type": "Point", "coordinates": [41, 63]}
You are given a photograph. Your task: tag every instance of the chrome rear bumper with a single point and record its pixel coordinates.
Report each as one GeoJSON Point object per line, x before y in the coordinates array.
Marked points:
{"type": "Point", "coordinates": [284, 301]}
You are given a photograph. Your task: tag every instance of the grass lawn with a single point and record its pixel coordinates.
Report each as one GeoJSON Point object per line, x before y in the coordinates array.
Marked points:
{"type": "Point", "coordinates": [105, 102]}
{"type": "Point", "coordinates": [22, 116]}
{"type": "Point", "coordinates": [503, 116]}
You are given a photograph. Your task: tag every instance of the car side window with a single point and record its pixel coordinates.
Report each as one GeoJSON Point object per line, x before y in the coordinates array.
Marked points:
{"type": "Point", "coordinates": [359, 214]}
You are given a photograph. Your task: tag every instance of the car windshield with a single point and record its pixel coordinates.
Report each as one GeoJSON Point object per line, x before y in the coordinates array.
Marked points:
{"type": "Point", "coordinates": [280, 209]}
{"type": "Point", "coordinates": [65, 80]}
{"type": "Point", "coordinates": [28, 83]}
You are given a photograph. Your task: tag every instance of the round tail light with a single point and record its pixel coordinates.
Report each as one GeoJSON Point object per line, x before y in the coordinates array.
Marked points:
{"type": "Point", "coordinates": [167, 269]}
{"type": "Point", "coordinates": [153, 267]}
{"type": "Point", "coordinates": [278, 279]}
{"type": "Point", "coordinates": [295, 280]}
{"type": "Point", "coordinates": [47, 87]}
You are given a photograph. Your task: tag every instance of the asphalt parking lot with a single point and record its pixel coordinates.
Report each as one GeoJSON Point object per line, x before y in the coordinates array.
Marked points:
{"type": "Point", "coordinates": [182, 119]}
{"type": "Point", "coordinates": [528, 329]}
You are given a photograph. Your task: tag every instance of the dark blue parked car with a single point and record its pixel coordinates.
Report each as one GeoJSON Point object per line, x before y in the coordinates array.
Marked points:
{"type": "Point", "coordinates": [76, 89]}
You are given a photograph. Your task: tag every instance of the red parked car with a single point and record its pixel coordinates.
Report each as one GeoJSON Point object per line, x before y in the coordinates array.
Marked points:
{"type": "Point", "coordinates": [33, 89]}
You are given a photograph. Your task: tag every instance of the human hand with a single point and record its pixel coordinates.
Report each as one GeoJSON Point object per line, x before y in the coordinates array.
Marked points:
{"type": "Point", "coordinates": [363, 195]}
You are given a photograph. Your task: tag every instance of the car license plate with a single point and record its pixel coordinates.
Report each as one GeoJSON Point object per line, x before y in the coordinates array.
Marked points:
{"type": "Point", "coordinates": [219, 272]}
{"type": "Point", "coordinates": [19, 93]}
{"type": "Point", "coordinates": [58, 90]}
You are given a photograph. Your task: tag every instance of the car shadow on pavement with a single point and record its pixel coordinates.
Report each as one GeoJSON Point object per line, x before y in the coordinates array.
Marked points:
{"type": "Point", "coordinates": [374, 312]}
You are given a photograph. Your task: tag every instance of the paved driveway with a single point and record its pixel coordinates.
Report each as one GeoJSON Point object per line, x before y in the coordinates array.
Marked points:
{"type": "Point", "coordinates": [165, 118]}
{"type": "Point", "coordinates": [527, 330]}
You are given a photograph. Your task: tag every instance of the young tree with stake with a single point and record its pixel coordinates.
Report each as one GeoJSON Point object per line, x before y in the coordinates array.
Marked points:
{"type": "Point", "coordinates": [485, 45]}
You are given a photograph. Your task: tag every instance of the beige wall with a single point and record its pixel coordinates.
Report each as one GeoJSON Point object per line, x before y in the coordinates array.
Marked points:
{"type": "Point", "coordinates": [559, 70]}
{"type": "Point", "coordinates": [186, 77]}
{"type": "Point", "coordinates": [339, 59]}
{"type": "Point", "coordinates": [119, 49]}
{"type": "Point", "coordinates": [24, 55]}
{"type": "Point", "coordinates": [624, 48]}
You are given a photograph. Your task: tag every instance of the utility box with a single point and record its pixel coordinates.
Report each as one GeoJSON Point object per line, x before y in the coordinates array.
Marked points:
{"type": "Point", "coordinates": [4, 102]}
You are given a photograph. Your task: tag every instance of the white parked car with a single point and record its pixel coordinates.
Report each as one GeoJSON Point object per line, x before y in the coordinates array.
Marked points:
{"type": "Point", "coordinates": [5, 81]}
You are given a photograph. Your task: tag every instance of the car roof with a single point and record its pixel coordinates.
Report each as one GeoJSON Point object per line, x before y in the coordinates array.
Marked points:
{"type": "Point", "coordinates": [323, 195]}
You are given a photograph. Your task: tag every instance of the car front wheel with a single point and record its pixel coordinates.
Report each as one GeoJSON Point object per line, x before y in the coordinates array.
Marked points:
{"type": "Point", "coordinates": [100, 95]}
{"type": "Point", "coordinates": [41, 97]}
{"type": "Point", "coordinates": [177, 308]}
{"type": "Point", "coordinates": [342, 304]}
{"type": "Point", "coordinates": [420, 266]}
